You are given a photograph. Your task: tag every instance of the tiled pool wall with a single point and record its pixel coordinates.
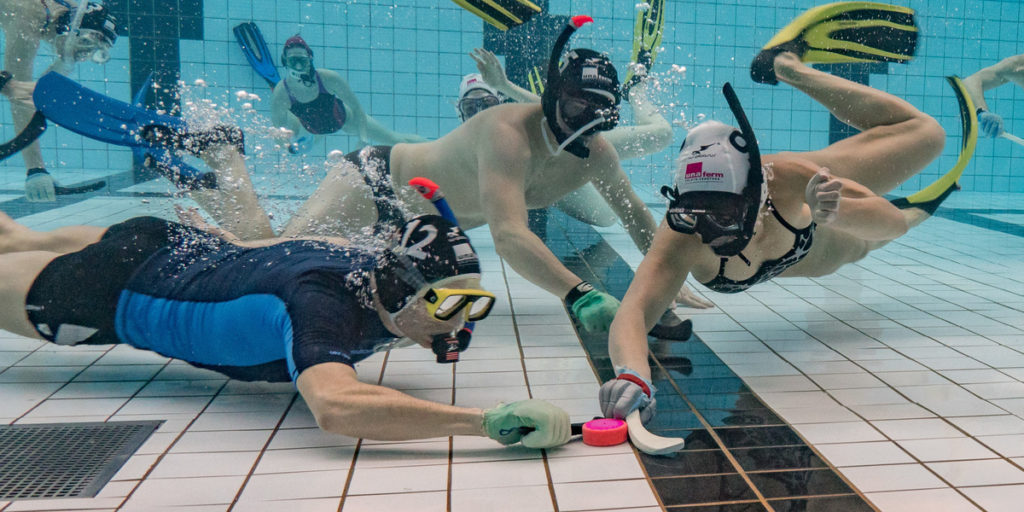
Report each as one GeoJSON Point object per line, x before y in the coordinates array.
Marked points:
{"type": "Point", "coordinates": [404, 58]}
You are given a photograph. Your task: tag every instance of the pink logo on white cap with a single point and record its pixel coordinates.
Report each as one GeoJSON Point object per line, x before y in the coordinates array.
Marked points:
{"type": "Point", "coordinates": [695, 172]}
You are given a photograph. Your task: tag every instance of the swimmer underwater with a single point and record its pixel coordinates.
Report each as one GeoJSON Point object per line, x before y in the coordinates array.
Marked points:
{"type": "Point", "coordinates": [493, 168]}
{"type": "Point", "coordinates": [77, 32]}
{"type": "Point", "coordinates": [272, 310]}
{"type": "Point", "coordinates": [735, 220]}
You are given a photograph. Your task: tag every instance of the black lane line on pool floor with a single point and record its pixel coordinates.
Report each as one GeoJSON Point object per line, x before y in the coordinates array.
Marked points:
{"type": "Point", "coordinates": [700, 399]}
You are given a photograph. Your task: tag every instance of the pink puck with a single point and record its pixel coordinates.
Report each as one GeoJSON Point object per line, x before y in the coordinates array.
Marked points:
{"type": "Point", "coordinates": [605, 432]}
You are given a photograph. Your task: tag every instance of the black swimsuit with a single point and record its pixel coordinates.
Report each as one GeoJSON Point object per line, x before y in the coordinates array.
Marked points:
{"type": "Point", "coordinates": [324, 114]}
{"type": "Point", "coordinates": [770, 268]}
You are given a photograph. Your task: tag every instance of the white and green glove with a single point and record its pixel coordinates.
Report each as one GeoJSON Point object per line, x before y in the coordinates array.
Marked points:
{"type": "Point", "coordinates": [538, 424]}
{"type": "Point", "coordinates": [593, 308]}
{"type": "Point", "coordinates": [39, 186]}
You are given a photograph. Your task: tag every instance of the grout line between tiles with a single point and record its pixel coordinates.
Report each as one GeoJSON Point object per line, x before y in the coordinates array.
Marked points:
{"type": "Point", "coordinates": [359, 443]}
{"type": "Point", "coordinates": [526, 376]}
{"type": "Point", "coordinates": [263, 450]}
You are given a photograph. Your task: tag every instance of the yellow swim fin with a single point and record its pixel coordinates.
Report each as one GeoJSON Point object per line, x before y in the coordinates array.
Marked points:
{"type": "Point", "coordinates": [647, 33]}
{"type": "Point", "coordinates": [536, 81]}
{"type": "Point", "coordinates": [929, 198]}
{"type": "Point", "coordinates": [842, 32]}
{"type": "Point", "coordinates": [502, 14]}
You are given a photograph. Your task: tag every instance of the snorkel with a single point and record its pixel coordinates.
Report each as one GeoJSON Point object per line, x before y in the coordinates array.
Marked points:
{"type": "Point", "coordinates": [594, 69]}
{"type": "Point", "coordinates": [708, 199]}
{"type": "Point", "coordinates": [445, 346]}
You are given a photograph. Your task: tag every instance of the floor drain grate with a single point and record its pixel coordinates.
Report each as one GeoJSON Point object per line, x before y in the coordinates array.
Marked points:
{"type": "Point", "coordinates": [65, 460]}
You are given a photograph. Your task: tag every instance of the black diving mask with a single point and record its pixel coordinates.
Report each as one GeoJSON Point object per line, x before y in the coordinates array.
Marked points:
{"type": "Point", "coordinates": [718, 217]}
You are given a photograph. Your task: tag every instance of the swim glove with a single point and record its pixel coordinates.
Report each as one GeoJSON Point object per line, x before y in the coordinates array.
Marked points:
{"type": "Point", "coordinates": [538, 424]}
{"type": "Point", "coordinates": [627, 393]}
{"type": "Point", "coordinates": [991, 123]}
{"type": "Point", "coordinates": [39, 186]}
{"type": "Point", "coordinates": [593, 308]}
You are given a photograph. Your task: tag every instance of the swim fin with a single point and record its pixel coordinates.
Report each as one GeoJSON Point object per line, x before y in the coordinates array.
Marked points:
{"type": "Point", "coordinates": [842, 32]}
{"type": "Point", "coordinates": [254, 46]}
{"type": "Point", "coordinates": [502, 14]}
{"type": "Point", "coordinates": [536, 80]}
{"type": "Point", "coordinates": [161, 160]}
{"type": "Point", "coordinates": [32, 131]}
{"type": "Point", "coordinates": [929, 198]}
{"type": "Point", "coordinates": [647, 32]}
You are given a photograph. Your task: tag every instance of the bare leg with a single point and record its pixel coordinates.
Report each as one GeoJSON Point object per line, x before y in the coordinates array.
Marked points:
{"type": "Point", "coordinates": [897, 140]}
{"type": "Point", "coordinates": [233, 204]}
{"type": "Point", "coordinates": [17, 273]}
{"type": "Point", "coordinates": [17, 238]}
{"type": "Point", "coordinates": [651, 132]}
{"type": "Point", "coordinates": [585, 204]}
{"type": "Point", "coordinates": [342, 204]}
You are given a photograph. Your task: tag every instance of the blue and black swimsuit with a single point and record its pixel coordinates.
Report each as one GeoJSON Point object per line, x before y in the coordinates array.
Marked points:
{"type": "Point", "coordinates": [263, 313]}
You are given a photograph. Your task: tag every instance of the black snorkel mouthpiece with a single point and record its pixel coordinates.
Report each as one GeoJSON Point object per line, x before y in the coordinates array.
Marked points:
{"type": "Point", "coordinates": [549, 98]}
{"type": "Point", "coordinates": [701, 202]}
{"type": "Point", "coordinates": [447, 347]}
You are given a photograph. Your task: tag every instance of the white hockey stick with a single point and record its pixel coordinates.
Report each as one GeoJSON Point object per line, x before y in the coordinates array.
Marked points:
{"type": "Point", "coordinates": [648, 442]}
{"type": "Point", "coordinates": [1013, 138]}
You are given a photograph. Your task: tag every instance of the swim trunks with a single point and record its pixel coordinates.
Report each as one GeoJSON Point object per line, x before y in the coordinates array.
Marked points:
{"type": "Point", "coordinates": [374, 164]}
{"type": "Point", "coordinates": [264, 313]}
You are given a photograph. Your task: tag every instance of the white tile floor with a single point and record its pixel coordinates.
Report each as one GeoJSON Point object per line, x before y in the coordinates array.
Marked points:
{"type": "Point", "coordinates": [905, 370]}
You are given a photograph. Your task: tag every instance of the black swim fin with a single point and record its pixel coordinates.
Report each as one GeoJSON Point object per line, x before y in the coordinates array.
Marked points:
{"type": "Point", "coordinates": [502, 14]}
{"type": "Point", "coordinates": [32, 131]}
{"type": "Point", "coordinates": [671, 327]}
{"type": "Point", "coordinates": [842, 32]}
{"type": "Point", "coordinates": [254, 46]}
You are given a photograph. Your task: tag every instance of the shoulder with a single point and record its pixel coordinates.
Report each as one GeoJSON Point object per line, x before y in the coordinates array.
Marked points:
{"type": "Point", "coordinates": [331, 77]}
{"type": "Point", "coordinates": [502, 130]}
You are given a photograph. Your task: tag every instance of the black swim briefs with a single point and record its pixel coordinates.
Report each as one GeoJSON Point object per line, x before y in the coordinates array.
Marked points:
{"type": "Point", "coordinates": [74, 299]}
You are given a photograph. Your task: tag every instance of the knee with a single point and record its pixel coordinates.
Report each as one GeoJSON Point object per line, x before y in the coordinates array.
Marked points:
{"type": "Point", "coordinates": [930, 135]}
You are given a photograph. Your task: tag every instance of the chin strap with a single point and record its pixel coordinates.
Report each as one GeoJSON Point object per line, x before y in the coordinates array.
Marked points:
{"type": "Point", "coordinates": [571, 143]}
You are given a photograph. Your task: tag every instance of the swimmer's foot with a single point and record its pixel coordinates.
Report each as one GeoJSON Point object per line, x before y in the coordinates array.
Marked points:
{"type": "Point", "coordinates": [195, 142]}
{"type": "Point", "coordinates": [763, 69]}
{"type": "Point", "coordinates": [928, 207]}
{"type": "Point", "coordinates": [787, 67]}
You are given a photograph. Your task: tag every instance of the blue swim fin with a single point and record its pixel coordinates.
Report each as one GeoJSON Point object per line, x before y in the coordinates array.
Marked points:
{"type": "Point", "coordinates": [161, 160]}
{"type": "Point", "coordinates": [251, 41]}
{"type": "Point", "coordinates": [91, 114]}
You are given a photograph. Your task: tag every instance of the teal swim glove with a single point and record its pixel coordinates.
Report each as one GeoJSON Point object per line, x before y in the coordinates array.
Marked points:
{"type": "Point", "coordinates": [593, 308]}
{"type": "Point", "coordinates": [536, 423]}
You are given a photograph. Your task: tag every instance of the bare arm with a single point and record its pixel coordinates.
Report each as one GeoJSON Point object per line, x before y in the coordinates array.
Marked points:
{"type": "Point", "coordinates": [503, 196]}
{"type": "Point", "coordinates": [864, 214]}
{"type": "Point", "coordinates": [492, 72]}
{"type": "Point", "coordinates": [1010, 69]}
{"type": "Point", "coordinates": [658, 278]}
{"type": "Point", "coordinates": [359, 123]}
{"type": "Point", "coordinates": [614, 186]}
{"type": "Point", "coordinates": [281, 115]}
{"type": "Point", "coordinates": [344, 405]}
